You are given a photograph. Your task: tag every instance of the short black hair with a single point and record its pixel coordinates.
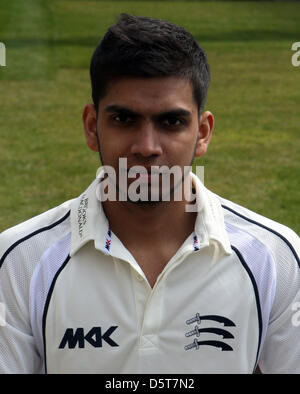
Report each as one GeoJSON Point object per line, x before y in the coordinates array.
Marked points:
{"type": "Point", "coordinates": [146, 47]}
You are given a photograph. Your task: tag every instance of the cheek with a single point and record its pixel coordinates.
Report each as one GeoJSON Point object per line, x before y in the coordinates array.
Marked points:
{"type": "Point", "coordinates": [113, 147]}
{"type": "Point", "coordinates": [181, 146]}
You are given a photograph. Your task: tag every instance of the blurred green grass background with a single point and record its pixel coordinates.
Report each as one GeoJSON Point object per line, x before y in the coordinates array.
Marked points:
{"type": "Point", "coordinates": [254, 94]}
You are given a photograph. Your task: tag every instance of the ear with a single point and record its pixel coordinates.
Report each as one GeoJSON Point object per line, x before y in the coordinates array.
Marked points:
{"type": "Point", "coordinates": [206, 126]}
{"type": "Point", "coordinates": [89, 118]}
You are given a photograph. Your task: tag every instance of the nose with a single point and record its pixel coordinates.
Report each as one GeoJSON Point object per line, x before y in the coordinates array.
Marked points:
{"type": "Point", "coordinates": [147, 141]}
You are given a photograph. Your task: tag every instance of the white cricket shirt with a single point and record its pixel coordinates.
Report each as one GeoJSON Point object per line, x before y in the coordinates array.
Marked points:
{"type": "Point", "coordinates": [76, 301]}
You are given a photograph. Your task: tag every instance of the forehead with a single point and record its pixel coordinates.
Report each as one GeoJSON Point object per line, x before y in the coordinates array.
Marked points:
{"type": "Point", "coordinates": [151, 95]}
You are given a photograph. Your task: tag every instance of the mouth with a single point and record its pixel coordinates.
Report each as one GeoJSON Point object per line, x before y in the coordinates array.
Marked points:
{"type": "Point", "coordinates": [145, 174]}
{"type": "Point", "coordinates": [144, 178]}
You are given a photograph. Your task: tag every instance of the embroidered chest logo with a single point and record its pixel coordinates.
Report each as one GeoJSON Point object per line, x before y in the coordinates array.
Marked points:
{"type": "Point", "coordinates": [198, 331]}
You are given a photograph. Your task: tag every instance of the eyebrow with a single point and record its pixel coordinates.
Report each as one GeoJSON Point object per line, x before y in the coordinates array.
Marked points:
{"type": "Point", "coordinates": [173, 112]}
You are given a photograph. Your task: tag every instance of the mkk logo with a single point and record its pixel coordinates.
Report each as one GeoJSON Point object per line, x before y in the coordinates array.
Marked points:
{"type": "Point", "coordinates": [94, 337]}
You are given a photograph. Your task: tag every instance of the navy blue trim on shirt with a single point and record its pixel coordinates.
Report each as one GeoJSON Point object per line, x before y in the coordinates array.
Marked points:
{"type": "Point", "coordinates": [269, 229]}
{"type": "Point", "coordinates": [32, 235]}
{"type": "Point", "coordinates": [260, 322]}
{"type": "Point", "coordinates": [47, 306]}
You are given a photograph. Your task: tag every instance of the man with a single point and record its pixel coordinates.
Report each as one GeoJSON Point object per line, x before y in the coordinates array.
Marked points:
{"type": "Point", "coordinates": [149, 283]}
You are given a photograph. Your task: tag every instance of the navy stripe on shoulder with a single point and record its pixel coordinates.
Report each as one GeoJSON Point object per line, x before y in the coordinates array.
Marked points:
{"type": "Point", "coordinates": [32, 235]}
{"type": "Point", "coordinates": [47, 306]}
{"type": "Point", "coordinates": [260, 322]}
{"type": "Point", "coordinates": [267, 228]}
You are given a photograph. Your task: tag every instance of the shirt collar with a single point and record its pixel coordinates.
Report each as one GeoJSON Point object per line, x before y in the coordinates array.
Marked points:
{"type": "Point", "coordinates": [210, 224]}
{"type": "Point", "coordinates": [89, 223]}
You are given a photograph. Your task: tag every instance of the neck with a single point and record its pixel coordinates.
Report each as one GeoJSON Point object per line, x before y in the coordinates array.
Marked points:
{"type": "Point", "coordinates": [147, 223]}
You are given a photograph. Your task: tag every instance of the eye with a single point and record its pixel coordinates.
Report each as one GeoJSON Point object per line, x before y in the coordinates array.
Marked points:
{"type": "Point", "coordinates": [172, 122]}
{"type": "Point", "coordinates": [122, 118]}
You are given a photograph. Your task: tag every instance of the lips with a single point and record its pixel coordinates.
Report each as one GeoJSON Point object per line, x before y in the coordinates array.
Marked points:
{"type": "Point", "coordinates": [139, 172]}
{"type": "Point", "coordinates": [145, 175]}
{"type": "Point", "coordinates": [154, 170]}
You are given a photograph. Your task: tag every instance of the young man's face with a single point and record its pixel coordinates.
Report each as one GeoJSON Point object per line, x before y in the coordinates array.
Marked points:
{"type": "Point", "coordinates": [150, 122]}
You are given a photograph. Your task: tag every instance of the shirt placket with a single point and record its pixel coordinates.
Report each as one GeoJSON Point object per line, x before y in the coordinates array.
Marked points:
{"type": "Point", "coordinates": [149, 302]}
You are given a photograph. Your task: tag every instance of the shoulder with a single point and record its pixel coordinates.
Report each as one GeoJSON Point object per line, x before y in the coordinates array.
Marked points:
{"type": "Point", "coordinates": [280, 240]}
{"type": "Point", "coordinates": [270, 249]}
{"type": "Point", "coordinates": [33, 236]}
